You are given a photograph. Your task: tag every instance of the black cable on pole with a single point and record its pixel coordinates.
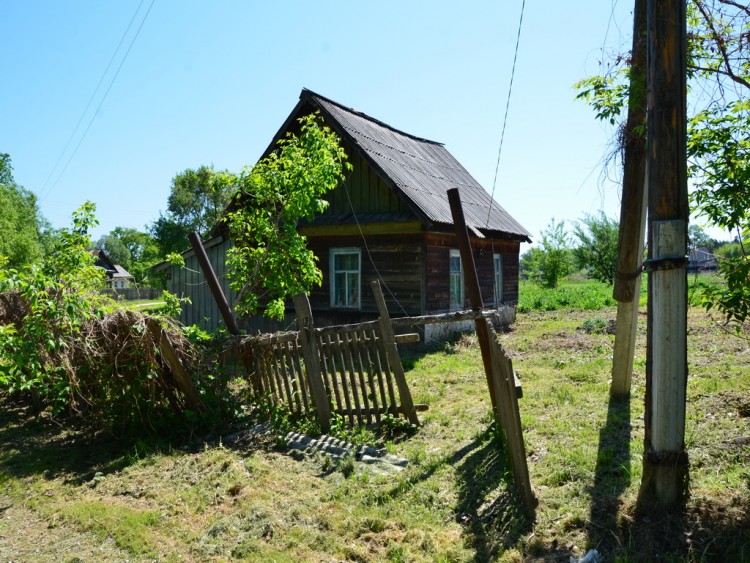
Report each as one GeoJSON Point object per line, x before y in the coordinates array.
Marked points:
{"type": "Point", "coordinates": [507, 106]}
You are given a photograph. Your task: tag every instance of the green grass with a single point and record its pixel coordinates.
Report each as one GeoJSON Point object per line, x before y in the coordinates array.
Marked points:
{"type": "Point", "coordinates": [454, 501]}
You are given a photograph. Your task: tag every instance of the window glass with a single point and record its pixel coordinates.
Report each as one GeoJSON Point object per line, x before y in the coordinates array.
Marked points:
{"type": "Point", "coordinates": [345, 277]}
{"type": "Point", "coordinates": [456, 280]}
{"type": "Point", "coordinates": [498, 261]}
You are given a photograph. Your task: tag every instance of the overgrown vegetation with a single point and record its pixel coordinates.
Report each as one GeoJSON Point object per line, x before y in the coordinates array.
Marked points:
{"type": "Point", "coordinates": [71, 350]}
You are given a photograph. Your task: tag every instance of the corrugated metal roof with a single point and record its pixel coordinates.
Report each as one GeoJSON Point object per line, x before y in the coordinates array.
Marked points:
{"type": "Point", "coordinates": [421, 170]}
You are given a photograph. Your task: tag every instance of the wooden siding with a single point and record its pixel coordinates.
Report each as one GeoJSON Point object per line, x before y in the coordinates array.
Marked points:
{"type": "Point", "coordinates": [396, 260]}
{"type": "Point", "coordinates": [189, 282]}
{"type": "Point", "coordinates": [366, 191]}
{"type": "Point", "coordinates": [437, 284]}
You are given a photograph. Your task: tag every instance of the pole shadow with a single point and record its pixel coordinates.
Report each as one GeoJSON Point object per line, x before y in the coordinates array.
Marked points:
{"type": "Point", "coordinates": [612, 477]}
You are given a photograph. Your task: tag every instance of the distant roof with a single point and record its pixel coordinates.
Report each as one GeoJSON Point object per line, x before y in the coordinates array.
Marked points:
{"type": "Point", "coordinates": [420, 170]}
{"type": "Point", "coordinates": [121, 272]}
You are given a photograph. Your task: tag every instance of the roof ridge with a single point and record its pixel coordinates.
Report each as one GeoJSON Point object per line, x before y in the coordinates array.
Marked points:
{"type": "Point", "coordinates": [306, 92]}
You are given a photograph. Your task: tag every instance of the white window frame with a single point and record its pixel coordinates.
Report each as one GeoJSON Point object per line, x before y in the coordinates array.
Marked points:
{"type": "Point", "coordinates": [334, 252]}
{"type": "Point", "coordinates": [453, 278]}
{"type": "Point", "coordinates": [497, 263]}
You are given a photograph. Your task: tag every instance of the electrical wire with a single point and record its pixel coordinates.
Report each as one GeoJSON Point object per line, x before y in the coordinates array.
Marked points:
{"type": "Point", "coordinates": [367, 249]}
{"type": "Point", "coordinates": [42, 194]}
{"type": "Point", "coordinates": [507, 106]}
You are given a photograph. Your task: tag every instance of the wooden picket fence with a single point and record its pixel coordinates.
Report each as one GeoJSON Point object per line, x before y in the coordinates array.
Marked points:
{"type": "Point", "coordinates": [351, 370]}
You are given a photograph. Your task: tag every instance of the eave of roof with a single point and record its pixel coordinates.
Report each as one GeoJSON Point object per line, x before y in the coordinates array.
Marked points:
{"type": "Point", "coordinates": [419, 170]}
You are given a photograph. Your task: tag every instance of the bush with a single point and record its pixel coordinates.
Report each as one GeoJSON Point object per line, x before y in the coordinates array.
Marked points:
{"type": "Point", "coordinates": [72, 350]}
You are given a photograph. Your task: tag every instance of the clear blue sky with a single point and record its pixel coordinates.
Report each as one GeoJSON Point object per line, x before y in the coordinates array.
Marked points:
{"type": "Point", "coordinates": [211, 82]}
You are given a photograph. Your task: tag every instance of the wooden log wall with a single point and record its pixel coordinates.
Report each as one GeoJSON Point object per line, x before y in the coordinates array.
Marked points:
{"type": "Point", "coordinates": [395, 259]}
{"type": "Point", "coordinates": [437, 268]}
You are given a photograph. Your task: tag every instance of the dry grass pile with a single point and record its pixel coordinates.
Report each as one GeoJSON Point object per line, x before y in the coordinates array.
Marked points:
{"type": "Point", "coordinates": [106, 368]}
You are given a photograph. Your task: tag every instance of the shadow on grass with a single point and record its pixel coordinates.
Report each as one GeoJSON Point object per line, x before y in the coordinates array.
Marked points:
{"type": "Point", "coordinates": [611, 477]}
{"type": "Point", "coordinates": [488, 508]}
{"type": "Point", "coordinates": [34, 445]}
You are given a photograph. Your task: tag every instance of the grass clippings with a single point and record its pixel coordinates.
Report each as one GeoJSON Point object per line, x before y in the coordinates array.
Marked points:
{"type": "Point", "coordinates": [68, 494]}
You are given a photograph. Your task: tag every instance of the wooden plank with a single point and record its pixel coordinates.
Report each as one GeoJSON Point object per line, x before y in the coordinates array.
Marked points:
{"type": "Point", "coordinates": [375, 358]}
{"type": "Point", "coordinates": [292, 386]}
{"type": "Point", "coordinates": [394, 361]}
{"type": "Point", "coordinates": [367, 342]}
{"type": "Point", "coordinates": [309, 344]}
{"type": "Point", "coordinates": [182, 378]}
{"type": "Point", "coordinates": [406, 338]}
{"type": "Point", "coordinates": [331, 356]}
{"type": "Point", "coordinates": [509, 416]}
{"type": "Point", "coordinates": [339, 353]}
{"type": "Point", "coordinates": [301, 379]}
{"type": "Point", "coordinates": [357, 360]}
{"type": "Point", "coordinates": [351, 372]}
{"type": "Point", "coordinates": [403, 322]}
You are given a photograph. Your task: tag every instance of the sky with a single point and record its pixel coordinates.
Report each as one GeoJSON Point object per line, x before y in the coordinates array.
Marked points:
{"type": "Point", "coordinates": [106, 101]}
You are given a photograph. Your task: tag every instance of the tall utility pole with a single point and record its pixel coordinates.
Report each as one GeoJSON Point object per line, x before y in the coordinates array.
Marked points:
{"type": "Point", "coordinates": [665, 465]}
{"type": "Point", "coordinates": [632, 213]}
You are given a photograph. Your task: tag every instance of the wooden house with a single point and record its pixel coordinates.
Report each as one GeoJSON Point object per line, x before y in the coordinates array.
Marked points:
{"type": "Point", "coordinates": [389, 220]}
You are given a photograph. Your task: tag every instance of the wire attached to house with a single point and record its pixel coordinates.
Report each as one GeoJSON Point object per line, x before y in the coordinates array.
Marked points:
{"type": "Point", "coordinates": [367, 249]}
{"type": "Point", "coordinates": [42, 193]}
{"type": "Point", "coordinates": [507, 106]}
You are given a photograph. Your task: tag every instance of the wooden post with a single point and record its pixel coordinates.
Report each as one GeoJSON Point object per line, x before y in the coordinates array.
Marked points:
{"type": "Point", "coordinates": [175, 366]}
{"type": "Point", "coordinates": [632, 213]}
{"type": "Point", "coordinates": [472, 282]}
{"type": "Point", "coordinates": [664, 482]}
{"type": "Point", "coordinates": [213, 284]}
{"type": "Point", "coordinates": [391, 352]}
{"type": "Point", "coordinates": [309, 343]}
{"type": "Point", "coordinates": [508, 416]}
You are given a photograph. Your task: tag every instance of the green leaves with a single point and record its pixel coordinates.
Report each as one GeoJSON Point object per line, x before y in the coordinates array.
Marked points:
{"type": "Point", "coordinates": [270, 261]}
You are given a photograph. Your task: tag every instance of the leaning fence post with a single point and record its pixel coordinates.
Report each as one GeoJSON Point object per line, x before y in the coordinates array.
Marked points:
{"type": "Point", "coordinates": [181, 376]}
{"type": "Point", "coordinates": [312, 360]}
{"type": "Point", "coordinates": [391, 352]}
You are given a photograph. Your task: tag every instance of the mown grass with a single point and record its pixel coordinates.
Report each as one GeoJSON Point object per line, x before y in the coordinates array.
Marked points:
{"type": "Point", "coordinates": [204, 501]}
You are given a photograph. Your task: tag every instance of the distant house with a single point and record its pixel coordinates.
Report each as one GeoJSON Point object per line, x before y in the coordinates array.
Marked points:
{"type": "Point", "coordinates": [389, 220]}
{"type": "Point", "coordinates": [117, 276]}
{"type": "Point", "coordinates": [701, 259]}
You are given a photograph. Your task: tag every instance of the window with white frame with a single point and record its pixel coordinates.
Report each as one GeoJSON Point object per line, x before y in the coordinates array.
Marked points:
{"type": "Point", "coordinates": [345, 277]}
{"type": "Point", "coordinates": [456, 280]}
{"type": "Point", "coordinates": [497, 260]}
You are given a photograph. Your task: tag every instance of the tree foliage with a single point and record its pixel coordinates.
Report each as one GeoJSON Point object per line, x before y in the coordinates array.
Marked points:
{"type": "Point", "coordinates": [270, 261]}
{"type": "Point", "coordinates": [718, 126]}
{"type": "Point", "coordinates": [549, 264]}
{"type": "Point", "coordinates": [196, 202]}
{"type": "Point", "coordinates": [20, 221]}
{"type": "Point", "coordinates": [597, 249]}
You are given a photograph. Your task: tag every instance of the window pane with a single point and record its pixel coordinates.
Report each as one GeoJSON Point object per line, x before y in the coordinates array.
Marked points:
{"type": "Point", "coordinates": [455, 264]}
{"type": "Point", "coordinates": [339, 290]}
{"type": "Point", "coordinates": [352, 290]}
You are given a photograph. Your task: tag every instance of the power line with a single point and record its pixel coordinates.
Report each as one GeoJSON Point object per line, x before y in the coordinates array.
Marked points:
{"type": "Point", "coordinates": [507, 106]}
{"type": "Point", "coordinates": [101, 102]}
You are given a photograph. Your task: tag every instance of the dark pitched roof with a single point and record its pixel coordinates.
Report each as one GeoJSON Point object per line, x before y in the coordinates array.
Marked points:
{"type": "Point", "coordinates": [420, 171]}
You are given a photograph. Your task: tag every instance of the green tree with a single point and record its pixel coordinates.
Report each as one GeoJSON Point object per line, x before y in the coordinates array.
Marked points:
{"type": "Point", "coordinates": [551, 262]}
{"type": "Point", "coordinates": [115, 250]}
{"type": "Point", "coordinates": [718, 130]}
{"type": "Point", "coordinates": [20, 220]}
{"type": "Point", "coordinates": [196, 202]}
{"type": "Point", "coordinates": [270, 261]}
{"type": "Point", "coordinates": [597, 246]}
